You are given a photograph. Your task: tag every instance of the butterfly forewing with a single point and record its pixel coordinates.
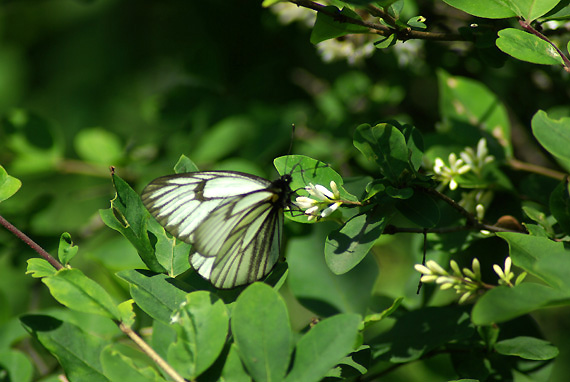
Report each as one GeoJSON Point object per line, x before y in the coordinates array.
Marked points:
{"type": "Point", "coordinates": [181, 202]}
{"type": "Point", "coordinates": [234, 221]}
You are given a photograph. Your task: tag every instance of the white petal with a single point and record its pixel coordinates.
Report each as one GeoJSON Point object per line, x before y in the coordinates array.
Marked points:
{"type": "Point", "coordinates": [304, 202]}
{"type": "Point", "coordinates": [329, 210]}
{"type": "Point", "coordinates": [324, 191]}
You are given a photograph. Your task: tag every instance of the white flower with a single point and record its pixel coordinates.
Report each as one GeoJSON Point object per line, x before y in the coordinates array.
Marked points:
{"type": "Point", "coordinates": [322, 203]}
{"type": "Point", "coordinates": [505, 276]}
{"type": "Point", "coordinates": [447, 173]}
{"type": "Point", "coordinates": [477, 160]}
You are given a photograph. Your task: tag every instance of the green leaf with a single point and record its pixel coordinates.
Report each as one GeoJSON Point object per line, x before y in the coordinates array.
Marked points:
{"type": "Point", "coordinates": [317, 287]}
{"type": "Point", "coordinates": [417, 22]}
{"type": "Point", "coordinates": [421, 209]}
{"type": "Point", "coordinates": [372, 318]}
{"type": "Point", "coordinates": [233, 370]}
{"type": "Point", "coordinates": [503, 303]}
{"type": "Point", "coordinates": [386, 42]}
{"type": "Point", "coordinates": [202, 326]}
{"type": "Point", "coordinates": [40, 268]}
{"type": "Point", "coordinates": [533, 9]}
{"type": "Point", "coordinates": [415, 143]}
{"type": "Point", "coordinates": [128, 216]}
{"type": "Point", "coordinates": [268, 3]}
{"type": "Point", "coordinates": [469, 108]}
{"type": "Point", "coordinates": [127, 313]}
{"type": "Point", "coordinates": [324, 346]}
{"type": "Point", "coordinates": [66, 250]}
{"type": "Point", "coordinates": [262, 332]}
{"type": "Point", "coordinates": [305, 170]}
{"type": "Point", "coordinates": [491, 9]}
{"type": "Point", "coordinates": [97, 145]}
{"type": "Point", "coordinates": [185, 164]}
{"type": "Point", "coordinates": [399, 193]}
{"type": "Point", "coordinates": [156, 294]}
{"type": "Point", "coordinates": [560, 205]}
{"type": "Point", "coordinates": [76, 291]}
{"type": "Point", "coordinates": [553, 134]}
{"type": "Point", "coordinates": [498, 9]}
{"type": "Point", "coordinates": [76, 351]}
{"type": "Point", "coordinates": [15, 366]}
{"type": "Point", "coordinates": [527, 47]}
{"type": "Point", "coordinates": [171, 253]}
{"type": "Point", "coordinates": [385, 145]}
{"type": "Point", "coordinates": [527, 348]}
{"type": "Point", "coordinates": [559, 12]}
{"type": "Point", "coordinates": [163, 335]}
{"type": "Point", "coordinates": [8, 185]}
{"type": "Point", "coordinates": [540, 218]}
{"type": "Point", "coordinates": [327, 27]}
{"type": "Point", "coordinates": [355, 364]}
{"type": "Point", "coordinates": [118, 367]}
{"type": "Point", "coordinates": [539, 256]}
{"type": "Point", "coordinates": [347, 246]}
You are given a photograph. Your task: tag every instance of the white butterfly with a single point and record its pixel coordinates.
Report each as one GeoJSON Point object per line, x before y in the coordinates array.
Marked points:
{"type": "Point", "coordinates": [233, 220]}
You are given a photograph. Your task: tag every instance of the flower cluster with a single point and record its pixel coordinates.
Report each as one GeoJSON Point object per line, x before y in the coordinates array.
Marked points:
{"type": "Point", "coordinates": [466, 282]}
{"type": "Point", "coordinates": [469, 160]}
{"type": "Point", "coordinates": [446, 173]}
{"type": "Point", "coordinates": [322, 202]}
{"type": "Point", "coordinates": [476, 160]}
{"type": "Point", "coordinates": [289, 12]}
{"type": "Point", "coordinates": [353, 48]}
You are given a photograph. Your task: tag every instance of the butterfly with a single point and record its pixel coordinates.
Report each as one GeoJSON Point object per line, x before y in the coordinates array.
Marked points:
{"type": "Point", "coordinates": [233, 220]}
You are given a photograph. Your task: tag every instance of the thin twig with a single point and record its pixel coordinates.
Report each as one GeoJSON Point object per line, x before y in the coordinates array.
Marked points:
{"type": "Point", "coordinates": [128, 331]}
{"type": "Point", "coordinates": [529, 167]}
{"type": "Point", "coordinates": [151, 353]}
{"type": "Point", "coordinates": [383, 30]}
{"type": "Point", "coordinates": [337, 16]}
{"type": "Point", "coordinates": [22, 236]}
{"type": "Point", "coordinates": [392, 230]}
{"type": "Point", "coordinates": [471, 219]}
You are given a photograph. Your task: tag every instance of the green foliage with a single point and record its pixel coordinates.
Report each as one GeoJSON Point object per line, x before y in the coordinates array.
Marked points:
{"type": "Point", "coordinates": [449, 143]}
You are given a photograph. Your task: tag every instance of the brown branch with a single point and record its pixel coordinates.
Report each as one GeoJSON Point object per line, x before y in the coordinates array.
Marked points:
{"type": "Point", "coordinates": [471, 219]}
{"type": "Point", "coordinates": [22, 236]}
{"type": "Point", "coordinates": [151, 353]}
{"type": "Point", "coordinates": [379, 12]}
{"type": "Point", "coordinates": [392, 230]}
{"type": "Point", "coordinates": [337, 16]}
{"type": "Point", "coordinates": [383, 30]}
{"type": "Point", "coordinates": [529, 167]}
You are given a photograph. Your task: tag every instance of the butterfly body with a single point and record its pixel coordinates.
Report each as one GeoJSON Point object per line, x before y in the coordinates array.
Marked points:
{"type": "Point", "coordinates": [233, 221]}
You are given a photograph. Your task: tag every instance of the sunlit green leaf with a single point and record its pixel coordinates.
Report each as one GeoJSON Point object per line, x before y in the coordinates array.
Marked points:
{"type": "Point", "coordinates": [77, 351]}
{"type": "Point", "coordinates": [76, 291]}
{"type": "Point", "coordinates": [202, 325]}
{"type": "Point", "coordinates": [527, 47]}
{"type": "Point", "coordinates": [323, 347]}
{"type": "Point", "coordinates": [67, 250]}
{"type": "Point", "coordinates": [327, 27]}
{"type": "Point", "coordinates": [261, 328]}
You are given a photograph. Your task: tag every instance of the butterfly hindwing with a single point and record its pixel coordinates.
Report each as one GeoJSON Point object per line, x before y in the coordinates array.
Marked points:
{"type": "Point", "coordinates": [233, 220]}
